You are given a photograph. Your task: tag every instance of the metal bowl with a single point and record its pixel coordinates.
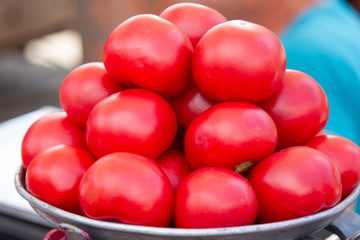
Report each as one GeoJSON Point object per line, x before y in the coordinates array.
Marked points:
{"type": "Point", "coordinates": [291, 229]}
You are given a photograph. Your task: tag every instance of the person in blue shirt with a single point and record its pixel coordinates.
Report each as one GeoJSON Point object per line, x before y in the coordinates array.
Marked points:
{"type": "Point", "coordinates": [323, 41]}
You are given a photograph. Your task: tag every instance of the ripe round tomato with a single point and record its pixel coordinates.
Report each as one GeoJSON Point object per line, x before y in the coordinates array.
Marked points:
{"type": "Point", "coordinates": [54, 175]}
{"type": "Point", "coordinates": [214, 197]}
{"type": "Point", "coordinates": [229, 134]}
{"type": "Point", "coordinates": [150, 52]}
{"type": "Point", "coordinates": [345, 154]}
{"type": "Point", "coordinates": [189, 104]}
{"type": "Point", "coordinates": [239, 60]}
{"type": "Point", "coordinates": [193, 19]}
{"type": "Point", "coordinates": [128, 188]}
{"type": "Point", "coordinates": [300, 108]}
{"type": "Point", "coordinates": [50, 130]}
{"type": "Point", "coordinates": [83, 87]}
{"type": "Point", "coordinates": [295, 182]}
{"type": "Point", "coordinates": [133, 120]}
{"type": "Point", "coordinates": [175, 166]}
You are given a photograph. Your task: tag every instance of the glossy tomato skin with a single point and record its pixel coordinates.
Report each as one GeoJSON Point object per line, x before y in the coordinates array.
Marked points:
{"type": "Point", "coordinates": [85, 86]}
{"type": "Point", "coordinates": [54, 175]}
{"type": "Point", "coordinates": [150, 52]}
{"type": "Point", "coordinates": [175, 165]}
{"type": "Point", "coordinates": [300, 108]}
{"type": "Point", "coordinates": [128, 188]}
{"type": "Point", "coordinates": [214, 197]}
{"type": "Point", "coordinates": [229, 134]}
{"type": "Point", "coordinates": [49, 130]}
{"type": "Point", "coordinates": [193, 19]}
{"type": "Point", "coordinates": [133, 120]}
{"type": "Point", "coordinates": [295, 182]}
{"type": "Point", "coordinates": [239, 60]}
{"type": "Point", "coordinates": [345, 154]}
{"type": "Point", "coordinates": [189, 104]}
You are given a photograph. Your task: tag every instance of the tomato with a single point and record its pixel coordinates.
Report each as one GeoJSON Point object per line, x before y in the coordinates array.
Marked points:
{"type": "Point", "coordinates": [54, 175]}
{"type": "Point", "coordinates": [346, 156]}
{"type": "Point", "coordinates": [175, 166]}
{"type": "Point", "coordinates": [189, 104]}
{"type": "Point", "coordinates": [214, 197]}
{"type": "Point", "coordinates": [150, 52]}
{"type": "Point", "coordinates": [295, 182]}
{"type": "Point", "coordinates": [128, 188]}
{"type": "Point", "coordinates": [133, 120]}
{"type": "Point", "coordinates": [239, 60]}
{"type": "Point", "coordinates": [49, 130]}
{"type": "Point", "coordinates": [300, 108]}
{"type": "Point", "coordinates": [193, 19]}
{"type": "Point", "coordinates": [230, 135]}
{"type": "Point", "coordinates": [85, 86]}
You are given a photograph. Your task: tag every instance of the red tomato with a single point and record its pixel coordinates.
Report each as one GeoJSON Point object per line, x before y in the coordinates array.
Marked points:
{"type": "Point", "coordinates": [189, 104]}
{"type": "Point", "coordinates": [175, 166]}
{"type": "Point", "coordinates": [54, 175]}
{"type": "Point", "coordinates": [239, 60]}
{"type": "Point", "coordinates": [85, 86]}
{"type": "Point", "coordinates": [345, 154]}
{"type": "Point", "coordinates": [295, 182]}
{"type": "Point", "coordinates": [214, 197]}
{"type": "Point", "coordinates": [193, 19]}
{"type": "Point", "coordinates": [133, 120]}
{"type": "Point", "coordinates": [229, 134]}
{"type": "Point", "coordinates": [50, 130]}
{"type": "Point", "coordinates": [150, 52]}
{"type": "Point", "coordinates": [128, 188]}
{"type": "Point", "coordinates": [300, 108]}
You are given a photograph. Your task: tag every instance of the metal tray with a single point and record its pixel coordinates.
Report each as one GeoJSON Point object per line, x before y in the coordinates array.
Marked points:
{"type": "Point", "coordinates": [81, 226]}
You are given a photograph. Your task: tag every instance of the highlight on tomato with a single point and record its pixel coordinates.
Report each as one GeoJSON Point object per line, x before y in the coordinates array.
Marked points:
{"type": "Point", "coordinates": [239, 60]}
{"type": "Point", "coordinates": [299, 108]}
{"type": "Point", "coordinates": [134, 120]}
{"type": "Point", "coordinates": [232, 135]}
{"type": "Point", "coordinates": [54, 175]}
{"type": "Point", "coordinates": [193, 19]}
{"type": "Point", "coordinates": [214, 197]}
{"type": "Point", "coordinates": [149, 52]}
{"type": "Point", "coordinates": [128, 188]}
{"type": "Point", "coordinates": [345, 154]}
{"type": "Point", "coordinates": [295, 182]}
{"type": "Point", "coordinates": [52, 129]}
{"type": "Point", "coordinates": [85, 86]}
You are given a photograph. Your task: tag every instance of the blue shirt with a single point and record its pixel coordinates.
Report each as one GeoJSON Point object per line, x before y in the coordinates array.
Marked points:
{"type": "Point", "coordinates": [324, 42]}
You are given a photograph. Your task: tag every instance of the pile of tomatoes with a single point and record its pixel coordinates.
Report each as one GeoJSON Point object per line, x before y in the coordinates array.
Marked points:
{"type": "Point", "coordinates": [190, 121]}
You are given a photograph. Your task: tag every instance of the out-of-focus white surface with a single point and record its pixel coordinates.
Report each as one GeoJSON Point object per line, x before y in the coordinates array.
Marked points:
{"type": "Point", "coordinates": [11, 134]}
{"type": "Point", "coordinates": [60, 49]}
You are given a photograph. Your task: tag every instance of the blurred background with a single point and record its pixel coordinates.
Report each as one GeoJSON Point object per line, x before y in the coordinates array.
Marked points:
{"type": "Point", "coordinates": [42, 40]}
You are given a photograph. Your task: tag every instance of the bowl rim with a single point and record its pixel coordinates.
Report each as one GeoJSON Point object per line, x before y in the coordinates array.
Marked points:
{"type": "Point", "coordinates": [325, 215]}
